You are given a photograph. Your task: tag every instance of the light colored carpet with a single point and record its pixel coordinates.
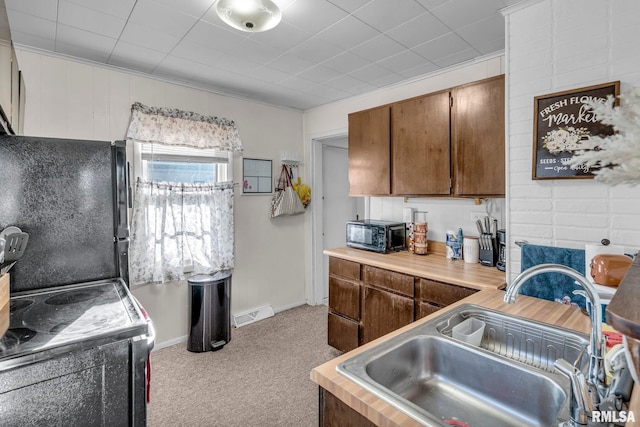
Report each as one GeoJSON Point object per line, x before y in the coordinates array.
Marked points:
{"type": "Point", "coordinates": [260, 378]}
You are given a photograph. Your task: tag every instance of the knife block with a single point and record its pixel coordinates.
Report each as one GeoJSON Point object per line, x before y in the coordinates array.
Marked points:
{"type": "Point", "coordinates": [489, 256]}
{"type": "Point", "coordinates": [4, 303]}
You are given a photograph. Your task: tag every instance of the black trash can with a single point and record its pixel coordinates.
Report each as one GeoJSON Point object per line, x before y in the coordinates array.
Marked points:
{"type": "Point", "coordinates": [209, 311]}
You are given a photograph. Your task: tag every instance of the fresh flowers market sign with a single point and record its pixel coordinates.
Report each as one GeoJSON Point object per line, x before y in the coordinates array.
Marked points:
{"type": "Point", "coordinates": [565, 123]}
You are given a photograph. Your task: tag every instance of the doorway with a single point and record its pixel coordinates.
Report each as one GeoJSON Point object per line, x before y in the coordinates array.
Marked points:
{"type": "Point", "coordinates": [331, 166]}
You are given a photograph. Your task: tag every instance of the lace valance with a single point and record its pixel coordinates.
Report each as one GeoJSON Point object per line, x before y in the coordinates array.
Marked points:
{"type": "Point", "coordinates": [178, 127]}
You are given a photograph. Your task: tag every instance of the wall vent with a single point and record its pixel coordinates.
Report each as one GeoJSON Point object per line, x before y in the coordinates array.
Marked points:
{"type": "Point", "coordinates": [253, 315]}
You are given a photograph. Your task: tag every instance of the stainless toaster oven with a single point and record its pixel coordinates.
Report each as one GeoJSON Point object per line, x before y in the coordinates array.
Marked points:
{"type": "Point", "coordinates": [377, 236]}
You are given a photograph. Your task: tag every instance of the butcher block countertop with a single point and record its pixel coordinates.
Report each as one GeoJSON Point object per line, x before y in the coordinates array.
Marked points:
{"type": "Point", "coordinates": [4, 303]}
{"type": "Point", "coordinates": [434, 266]}
{"type": "Point", "coordinates": [383, 414]}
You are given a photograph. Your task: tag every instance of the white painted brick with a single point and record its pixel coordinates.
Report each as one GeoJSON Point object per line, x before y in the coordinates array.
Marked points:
{"type": "Point", "coordinates": [530, 191]}
{"type": "Point", "coordinates": [516, 204]}
{"type": "Point", "coordinates": [528, 217]}
{"type": "Point", "coordinates": [569, 244]}
{"type": "Point", "coordinates": [577, 190]}
{"type": "Point", "coordinates": [582, 219]}
{"type": "Point", "coordinates": [581, 234]}
{"type": "Point", "coordinates": [520, 152]}
{"type": "Point", "coordinates": [518, 180]}
{"type": "Point", "coordinates": [629, 239]}
{"type": "Point", "coordinates": [529, 232]}
{"type": "Point", "coordinates": [625, 222]}
{"type": "Point", "coordinates": [583, 77]}
{"type": "Point", "coordinates": [626, 206]}
{"type": "Point", "coordinates": [579, 206]}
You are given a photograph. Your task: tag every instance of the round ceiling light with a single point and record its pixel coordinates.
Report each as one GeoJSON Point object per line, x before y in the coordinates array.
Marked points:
{"type": "Point", "coordinates": [249, 15]}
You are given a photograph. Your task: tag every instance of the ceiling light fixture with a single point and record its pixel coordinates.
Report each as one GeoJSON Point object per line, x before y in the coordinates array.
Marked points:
{"type": "Point", "coordinates": [249, 15]}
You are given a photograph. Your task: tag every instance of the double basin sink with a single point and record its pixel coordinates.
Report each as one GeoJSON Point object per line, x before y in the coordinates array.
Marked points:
{"type": "Point", "coordinates": [508, 380]}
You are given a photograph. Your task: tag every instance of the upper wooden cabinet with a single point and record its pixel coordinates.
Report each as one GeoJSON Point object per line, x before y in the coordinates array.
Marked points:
{"type": "Point", "coordinates": [420, 145]}
{"type": "Point", "coordinates": [369, 152]}
{"type": "Point", "coordinates": [477, 138]}
{"type": "Point", "coordinates": [12, 91]}
{"type": "Point", "coordinates": [448, 143]}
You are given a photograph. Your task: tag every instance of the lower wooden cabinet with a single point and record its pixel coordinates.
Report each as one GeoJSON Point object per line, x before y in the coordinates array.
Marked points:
{"type": "Point", "coordinates": [333, 412]}
{"type": "Point", "coordinates": [367, 302]}
{"type": "Point", "coordinates": [383, 312]}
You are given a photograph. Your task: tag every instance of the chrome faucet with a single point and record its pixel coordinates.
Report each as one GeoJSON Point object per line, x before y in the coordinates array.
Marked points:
{"type": "Point", "coordinates": [582, 401]}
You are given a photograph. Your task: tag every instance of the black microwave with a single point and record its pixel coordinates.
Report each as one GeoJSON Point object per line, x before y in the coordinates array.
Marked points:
{"type": "Point", "coordinates": [377, 236]}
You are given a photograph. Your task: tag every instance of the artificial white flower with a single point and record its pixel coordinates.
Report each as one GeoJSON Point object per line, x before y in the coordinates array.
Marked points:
{"type": "Point", "coordinates": [617, 155]}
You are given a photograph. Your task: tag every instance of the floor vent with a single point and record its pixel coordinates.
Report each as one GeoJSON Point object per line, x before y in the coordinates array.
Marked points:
{"type": "Point", "coordinates": [247, 317]}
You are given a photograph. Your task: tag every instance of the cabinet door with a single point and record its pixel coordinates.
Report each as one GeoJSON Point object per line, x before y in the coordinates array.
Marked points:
{"type": "Point", "coordinates": [420, 145]}
{"type": "Point", "coordinates": [369, 152]}
{"type": "Point", "coordinates": [477, 138]}
{"type": "Point", "coordinates": [343, 333]}
{"type": "Point", "coordinates": [383, 312]}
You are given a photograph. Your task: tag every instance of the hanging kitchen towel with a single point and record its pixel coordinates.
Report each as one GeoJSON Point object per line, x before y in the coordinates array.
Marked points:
{"type": "Point", "coordinates": [285, 200]}
{"type": "Point", "coordinates": [552, 286]}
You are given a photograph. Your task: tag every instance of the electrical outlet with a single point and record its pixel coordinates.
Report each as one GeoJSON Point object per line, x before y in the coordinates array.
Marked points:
{"type": "Point", "coordinates": [475, 215]}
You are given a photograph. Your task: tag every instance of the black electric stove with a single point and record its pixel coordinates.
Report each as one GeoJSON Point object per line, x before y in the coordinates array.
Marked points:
{"type": "Point", "coordinates": [68, 316]}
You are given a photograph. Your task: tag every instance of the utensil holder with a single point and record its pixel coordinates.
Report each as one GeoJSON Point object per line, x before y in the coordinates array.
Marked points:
{"type": "Point", "coordinates": [469, 331]}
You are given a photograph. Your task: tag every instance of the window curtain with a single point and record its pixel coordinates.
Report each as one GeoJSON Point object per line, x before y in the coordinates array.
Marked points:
{"type": "Point", "coordinates": [178, 127]}
{"type": "Point", "coordinates": [176, 223]}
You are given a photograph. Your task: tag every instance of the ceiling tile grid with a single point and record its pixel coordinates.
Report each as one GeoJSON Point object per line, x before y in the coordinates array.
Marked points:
{"type": "Point", "coordinates": [322, 50]}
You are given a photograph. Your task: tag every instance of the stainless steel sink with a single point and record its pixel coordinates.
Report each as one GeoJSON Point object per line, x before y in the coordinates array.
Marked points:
{"type": "Point", "coordinates": [506, 381]}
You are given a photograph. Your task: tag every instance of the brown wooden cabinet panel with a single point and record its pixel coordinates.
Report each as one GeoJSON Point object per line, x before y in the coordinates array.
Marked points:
{"type": "Point", "coordinates": [369, 152]}
{"type": "Point", "coordinates": [344, 297]}
{"type": "Point", "coordinates": [343, 334]}
{"type": "Point", "coordinates": [391, 280]}
{"type": "Point", "coordinates": [425, 308]}
{"type": "Point", "coordinates": [477, 138]}
{"type": "Point", "coordinates": [441, 293]}
{"type": "Point", "coordinates": [383, 312]}
{"type": "Point", "coordinates": [335, 413]}
{"type": "Point", "coordinates": [420, 145]}
{"type": "Point", "coordinates": [344, 268]}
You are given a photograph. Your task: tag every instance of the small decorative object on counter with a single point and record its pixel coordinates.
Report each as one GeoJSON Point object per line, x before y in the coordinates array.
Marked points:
{"type": "Point", "coordinates": [420, 245]}
{"type": "Point", "coordinates": [454, 244]}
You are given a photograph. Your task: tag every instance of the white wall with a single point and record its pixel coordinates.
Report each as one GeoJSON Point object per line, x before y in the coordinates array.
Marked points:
{"type": "Point", "coordinates": [552, 46]}
{"type": "Point", "coordinates": [69, 99]}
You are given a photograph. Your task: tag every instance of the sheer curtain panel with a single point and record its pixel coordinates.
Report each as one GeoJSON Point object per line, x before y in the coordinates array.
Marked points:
{"type": "Point", "coordinates": [176, 226]}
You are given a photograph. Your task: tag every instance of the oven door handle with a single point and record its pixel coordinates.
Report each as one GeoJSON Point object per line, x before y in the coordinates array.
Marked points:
{"type": "Point", "coordinates": [151, 331]}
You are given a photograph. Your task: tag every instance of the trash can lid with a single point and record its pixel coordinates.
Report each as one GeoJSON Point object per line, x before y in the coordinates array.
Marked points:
{"type": "Point", "coordinates": [206, 278]}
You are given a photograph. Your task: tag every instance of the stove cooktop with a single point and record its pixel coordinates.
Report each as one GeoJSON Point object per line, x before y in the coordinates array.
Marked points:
{"type": "Point", "coordinates": [50, 318]}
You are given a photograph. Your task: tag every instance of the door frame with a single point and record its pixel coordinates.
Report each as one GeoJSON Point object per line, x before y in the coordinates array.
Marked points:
{"type": "Point", "coordinates": [317, 257]}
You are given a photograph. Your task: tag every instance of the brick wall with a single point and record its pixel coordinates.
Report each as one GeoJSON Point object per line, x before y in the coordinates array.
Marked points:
{"type": "Point", "coordinates": [555, 45]}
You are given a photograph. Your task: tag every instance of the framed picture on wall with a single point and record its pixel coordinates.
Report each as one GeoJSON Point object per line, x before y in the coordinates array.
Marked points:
{"type": "Point", "coordinates": [564, 124]}
{"type": "Point", "coordinates": [257, 176]}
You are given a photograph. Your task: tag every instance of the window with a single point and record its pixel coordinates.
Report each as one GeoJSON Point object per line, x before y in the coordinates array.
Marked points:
{"type": "Point", "coordinates": [156, 162]}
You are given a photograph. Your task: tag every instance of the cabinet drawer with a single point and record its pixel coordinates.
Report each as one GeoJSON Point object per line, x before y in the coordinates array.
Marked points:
{"type": "Point", "coordinates": [384, 312]}
{"type": "Point", "coordinates": [391, 280]}
{"type": "Point", "coordinates": [342, 333]}
{"type": "Point", "coordinates": [441, 293]}
{"type": "Point", "coordinates": [344, 268]}
{"type": "Point", "coordinates": [425, 308]}
{"type": "Point", "coordinates": [344, 297]}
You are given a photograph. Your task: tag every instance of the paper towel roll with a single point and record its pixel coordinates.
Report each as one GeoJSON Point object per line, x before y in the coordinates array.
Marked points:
{"type": "Point", "coordinates": [593, 249]}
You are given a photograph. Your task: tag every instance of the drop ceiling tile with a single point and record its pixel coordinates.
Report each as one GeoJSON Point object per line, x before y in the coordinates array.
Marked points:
{"type": "Point", "coordinates": [442, 47]}
{"type": "Point", "coordinates": [256, 52]}
{"type": "Point", "coordinates": [491, 28]}
{"type": "Point", "coordinates": [384, 15]}
{"type": "Point", "coordinates": [162, 18]}
{"type": "Point", "coordinates": [31, 24]}
{"type": "Point", "coordinates": [268, 74]}
{"type": "Point", "coordinates": [296, 83]}
{"type": "Point", "coordinates": [91, 20]}
{"type": "Point", "coordinates": [83, 44]}
{"type": "Point", "coordinates": [328, 92]}
{"type": "Point", "coordinates": [24, 39]}
{"type": "Point", "coordinates": [378, 48]}
{"type": "Point", "coordinates": [290, 63]}
{"type": "Point", "coordinates": [179, 68]}
{"type": "Point", "coordinates": [430, 4]}
{"type": "Point", "coordinates": [369, 73]}
{"type": "Point", "coordinates": [237, 63]}
{"type": "Point", "coordinates": [345, 83]}
{"type": "Point", "coordinates": [418, 30]}
{"type": "Point", "coordinates": [196, 52]}
{"type": "Point", "coordinates": [402, 61]}
{"type": "Point", "coordinates": [312, 15]}
{"type": "Point", "coordinates": [316, 50]}
{"type": "Point", "coordinates": [135, 57]}
{"type": "Point", "coordinates": [346, 62]}
{"type": "Point", "coordinates": [348, 33]}
{"type": "Point", "coordinates": [148, 38]}
{"type": "Point", "coordinates": [285, 36]}
{"type": "Point", "coordinates": [319, 74]}
{"type": "Point", "coordinates": [45, 9]}
{"type": "Point", "coordinates": [388, 80]}
{"type": "Point", "coordinates": [460, 13]}
{"type": "Point", "coordinates": [420, 70]}
{"type": "Point", "coordinates": [119, 8]}
{"type": "Point", "coordinates": [215, 36]}
{"type": "Point", "coordinates": [195, 8]}
{"type": "Point", "coordinates": [456, 58]}
{"type": "Point", "coordinates": [349, 5]}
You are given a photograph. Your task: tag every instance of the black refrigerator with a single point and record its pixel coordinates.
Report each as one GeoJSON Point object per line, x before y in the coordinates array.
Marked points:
{"type": "Point", "coordinates": [76, 351]}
